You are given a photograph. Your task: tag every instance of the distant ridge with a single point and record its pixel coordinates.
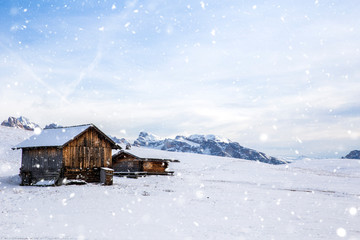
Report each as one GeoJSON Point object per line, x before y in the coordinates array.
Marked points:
{"type": "Point", "coordinates": [355, 154]}
{"type": "Point", "coordinates": [20, 122]}
{"type": "Point", "coordinates": [52, 126]}
{"type": "Point", "coordinates": [120, 140]}
{"type": "Point", "coordinates": [204, 144]}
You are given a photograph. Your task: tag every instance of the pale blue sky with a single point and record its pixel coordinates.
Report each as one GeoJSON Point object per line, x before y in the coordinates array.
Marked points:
{"type": "Point", "coordinates": [277, 76]}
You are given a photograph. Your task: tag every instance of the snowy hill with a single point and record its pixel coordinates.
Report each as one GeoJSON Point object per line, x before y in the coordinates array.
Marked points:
{"type": "Point", "coordinates": [20, 122]}
{"type": "Point", "coordinates": [204, 144]}
{"type": "Point", "coordinates": [9, 159]}
{"type": "Point", "coordinates": [209, 197]}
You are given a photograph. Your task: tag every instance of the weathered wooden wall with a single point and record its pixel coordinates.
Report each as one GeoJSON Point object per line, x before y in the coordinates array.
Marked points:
{"type": "Point", "coordinates": [126, 163]}
{"type": "Point", "coordinates": [84, 156]}
{"type": "Point", "coordinates": [40, 164]}
{"type": "Point", "coordinates": [154, 166]}
{"type": "Point", "coordinates": [127, 166]}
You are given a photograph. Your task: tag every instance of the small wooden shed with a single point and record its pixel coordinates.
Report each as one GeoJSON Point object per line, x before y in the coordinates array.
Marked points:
{"type": "Point", "coordinates": [125, 161]}
{"type": "Point", "coordinates": [76, 152]}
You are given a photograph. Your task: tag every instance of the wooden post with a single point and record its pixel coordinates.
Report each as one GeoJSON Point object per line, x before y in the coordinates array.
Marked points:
{"type": "Point", "coordinates": [106, 176]}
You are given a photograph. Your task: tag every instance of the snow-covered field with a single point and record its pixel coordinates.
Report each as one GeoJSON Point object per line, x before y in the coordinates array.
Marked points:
{"type": "Point", "coordinates": [208, 198]}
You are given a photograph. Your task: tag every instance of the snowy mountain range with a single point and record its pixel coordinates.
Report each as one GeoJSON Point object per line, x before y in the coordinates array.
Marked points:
{"type": "Point", "coordinates": [204, 144]}
{"type": "Point", "coordinates": [20, 122]}
{"type": "Point", "coordinates": [200, 144]}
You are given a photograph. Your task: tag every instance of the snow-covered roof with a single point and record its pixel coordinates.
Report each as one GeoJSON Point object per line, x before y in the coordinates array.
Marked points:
{"type": "Point", "coordinates": [56, 137]}
{"type": "Point", "coordinates": [148, 153]}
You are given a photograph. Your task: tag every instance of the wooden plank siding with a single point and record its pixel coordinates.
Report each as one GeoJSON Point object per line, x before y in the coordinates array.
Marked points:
{"type": "Point", "coordinates": [125, 162]}
{"type": "Point", "coordinates": [84, 155]}
{"type": "Point", "coordinates": [154, 166]}
{"type": "Point", "coordinates": [41, 164]}
{"type": "Point", "coordinates": [127, 166]}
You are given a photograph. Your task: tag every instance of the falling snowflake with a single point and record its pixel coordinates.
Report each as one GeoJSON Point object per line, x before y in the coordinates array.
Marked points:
{"type": "Point", "coordinates": [341, 232]}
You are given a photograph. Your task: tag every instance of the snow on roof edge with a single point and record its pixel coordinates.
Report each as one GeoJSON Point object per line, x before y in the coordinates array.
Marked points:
{"type": "Point", "coordinates": [147, 154]}
{"type": "Point", "coordinates": [58, 137]}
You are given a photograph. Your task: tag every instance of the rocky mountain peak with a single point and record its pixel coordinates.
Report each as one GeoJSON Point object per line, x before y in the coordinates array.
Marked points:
{"type": "Point", "coordinates": [146, 139]}
{"type": "Point", "coordinates": [20, 122]}
{"type": "Point", "coordinates": [52, 126]}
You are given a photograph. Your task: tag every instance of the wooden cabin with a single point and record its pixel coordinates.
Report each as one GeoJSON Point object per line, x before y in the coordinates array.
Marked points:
{"type": "Point", "coordinates": [74, 153]}
{"type": "Point", "coordinates": [143, 162]}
